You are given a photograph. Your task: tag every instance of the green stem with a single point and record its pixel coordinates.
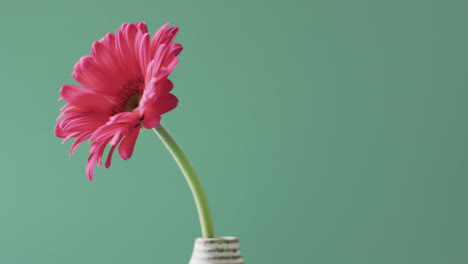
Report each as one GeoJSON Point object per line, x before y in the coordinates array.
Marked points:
{"type": "Point", "coordinates": [192, 179]}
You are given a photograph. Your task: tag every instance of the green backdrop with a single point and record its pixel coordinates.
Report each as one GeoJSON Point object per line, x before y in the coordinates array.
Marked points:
{"type": "Point", "coordinates": [323, 131]}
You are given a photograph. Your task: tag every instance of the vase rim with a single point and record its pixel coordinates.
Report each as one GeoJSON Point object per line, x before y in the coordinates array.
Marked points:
{"type": "Point", "coordinates": [229, 239]}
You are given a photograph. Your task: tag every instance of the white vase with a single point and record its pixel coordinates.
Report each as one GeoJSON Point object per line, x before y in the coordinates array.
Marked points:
{"type": "Point", "coordinates": [220, 250]}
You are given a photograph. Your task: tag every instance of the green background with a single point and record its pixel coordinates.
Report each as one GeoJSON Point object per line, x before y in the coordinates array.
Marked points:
{"type": "Point", "coordinates": [323, 131]}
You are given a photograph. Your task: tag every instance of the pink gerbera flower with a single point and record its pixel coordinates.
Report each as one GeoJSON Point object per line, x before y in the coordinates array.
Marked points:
{"type": "Point", "coordinates": [125, 85]}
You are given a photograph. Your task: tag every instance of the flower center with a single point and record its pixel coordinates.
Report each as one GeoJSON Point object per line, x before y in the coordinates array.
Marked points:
{"type": "Point", "coordinates": [132, 102]}
{"type": "Point", "coordinates": [129, 97]}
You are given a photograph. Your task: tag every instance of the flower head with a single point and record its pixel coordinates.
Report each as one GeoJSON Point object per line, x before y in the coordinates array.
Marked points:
{"type": "Point", "coordinates": [125, 86]}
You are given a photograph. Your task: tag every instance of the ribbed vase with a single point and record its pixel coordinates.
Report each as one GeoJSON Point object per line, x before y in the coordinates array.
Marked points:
{"type": "Point", "coordinates": [220, 250]}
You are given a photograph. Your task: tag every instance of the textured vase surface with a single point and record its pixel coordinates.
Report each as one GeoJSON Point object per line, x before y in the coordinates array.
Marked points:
{"type": "Point", "coordinates": [220, 250]}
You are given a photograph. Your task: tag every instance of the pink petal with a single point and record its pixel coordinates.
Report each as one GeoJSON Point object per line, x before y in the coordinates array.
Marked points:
{"type": "Point", "coordinates": [100, 151]}
{"type": "Point", "coordinates": [154, 90]}
{"type": "Point", "coordinates": [109, 157]}
{"type": "Point", "coordinates": [159, 58]}
{"type": "Point", "coordinates": [125, 117]}
{"type": "Point", "coordinates": [142, 49]}
{"type": "Point", "coordinates": [99, 78]}
{"type": "Point", "coordinates": [59, 132]}
{"type": "Point", "coordinates": [108, 63]}
{"type": "Point", "coordinates": [90, 166]}
{"type": "Point", "coordinates": [175, 49]}
{"type": "Point", "coordinates": [166, 103]}
{"type": "Point", "coordinates": [115, 140]}
{"type": "Point", "coordinates": [142, 27]}
{"type": "Point", "coordinates": [157, 39]}
{"type": "Point", "coordinates": [128, 143]}
{"type": "Point", "coordinates": [105, 131]}
{"type": "Point", "coordinates": [78, 142]}
{"type": "Point", "coordinates": [154, 109]}
{"type": "Point", "coordinates": [85, 98]}
{"type": "Point", "coordinates": [73, 134]}
{"type": "Point", "coordinates": [151, 118]}
{"type": "Point", "coordinates": [170, 35]}
{"type": "Point", "coordinates": [164, 86]}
